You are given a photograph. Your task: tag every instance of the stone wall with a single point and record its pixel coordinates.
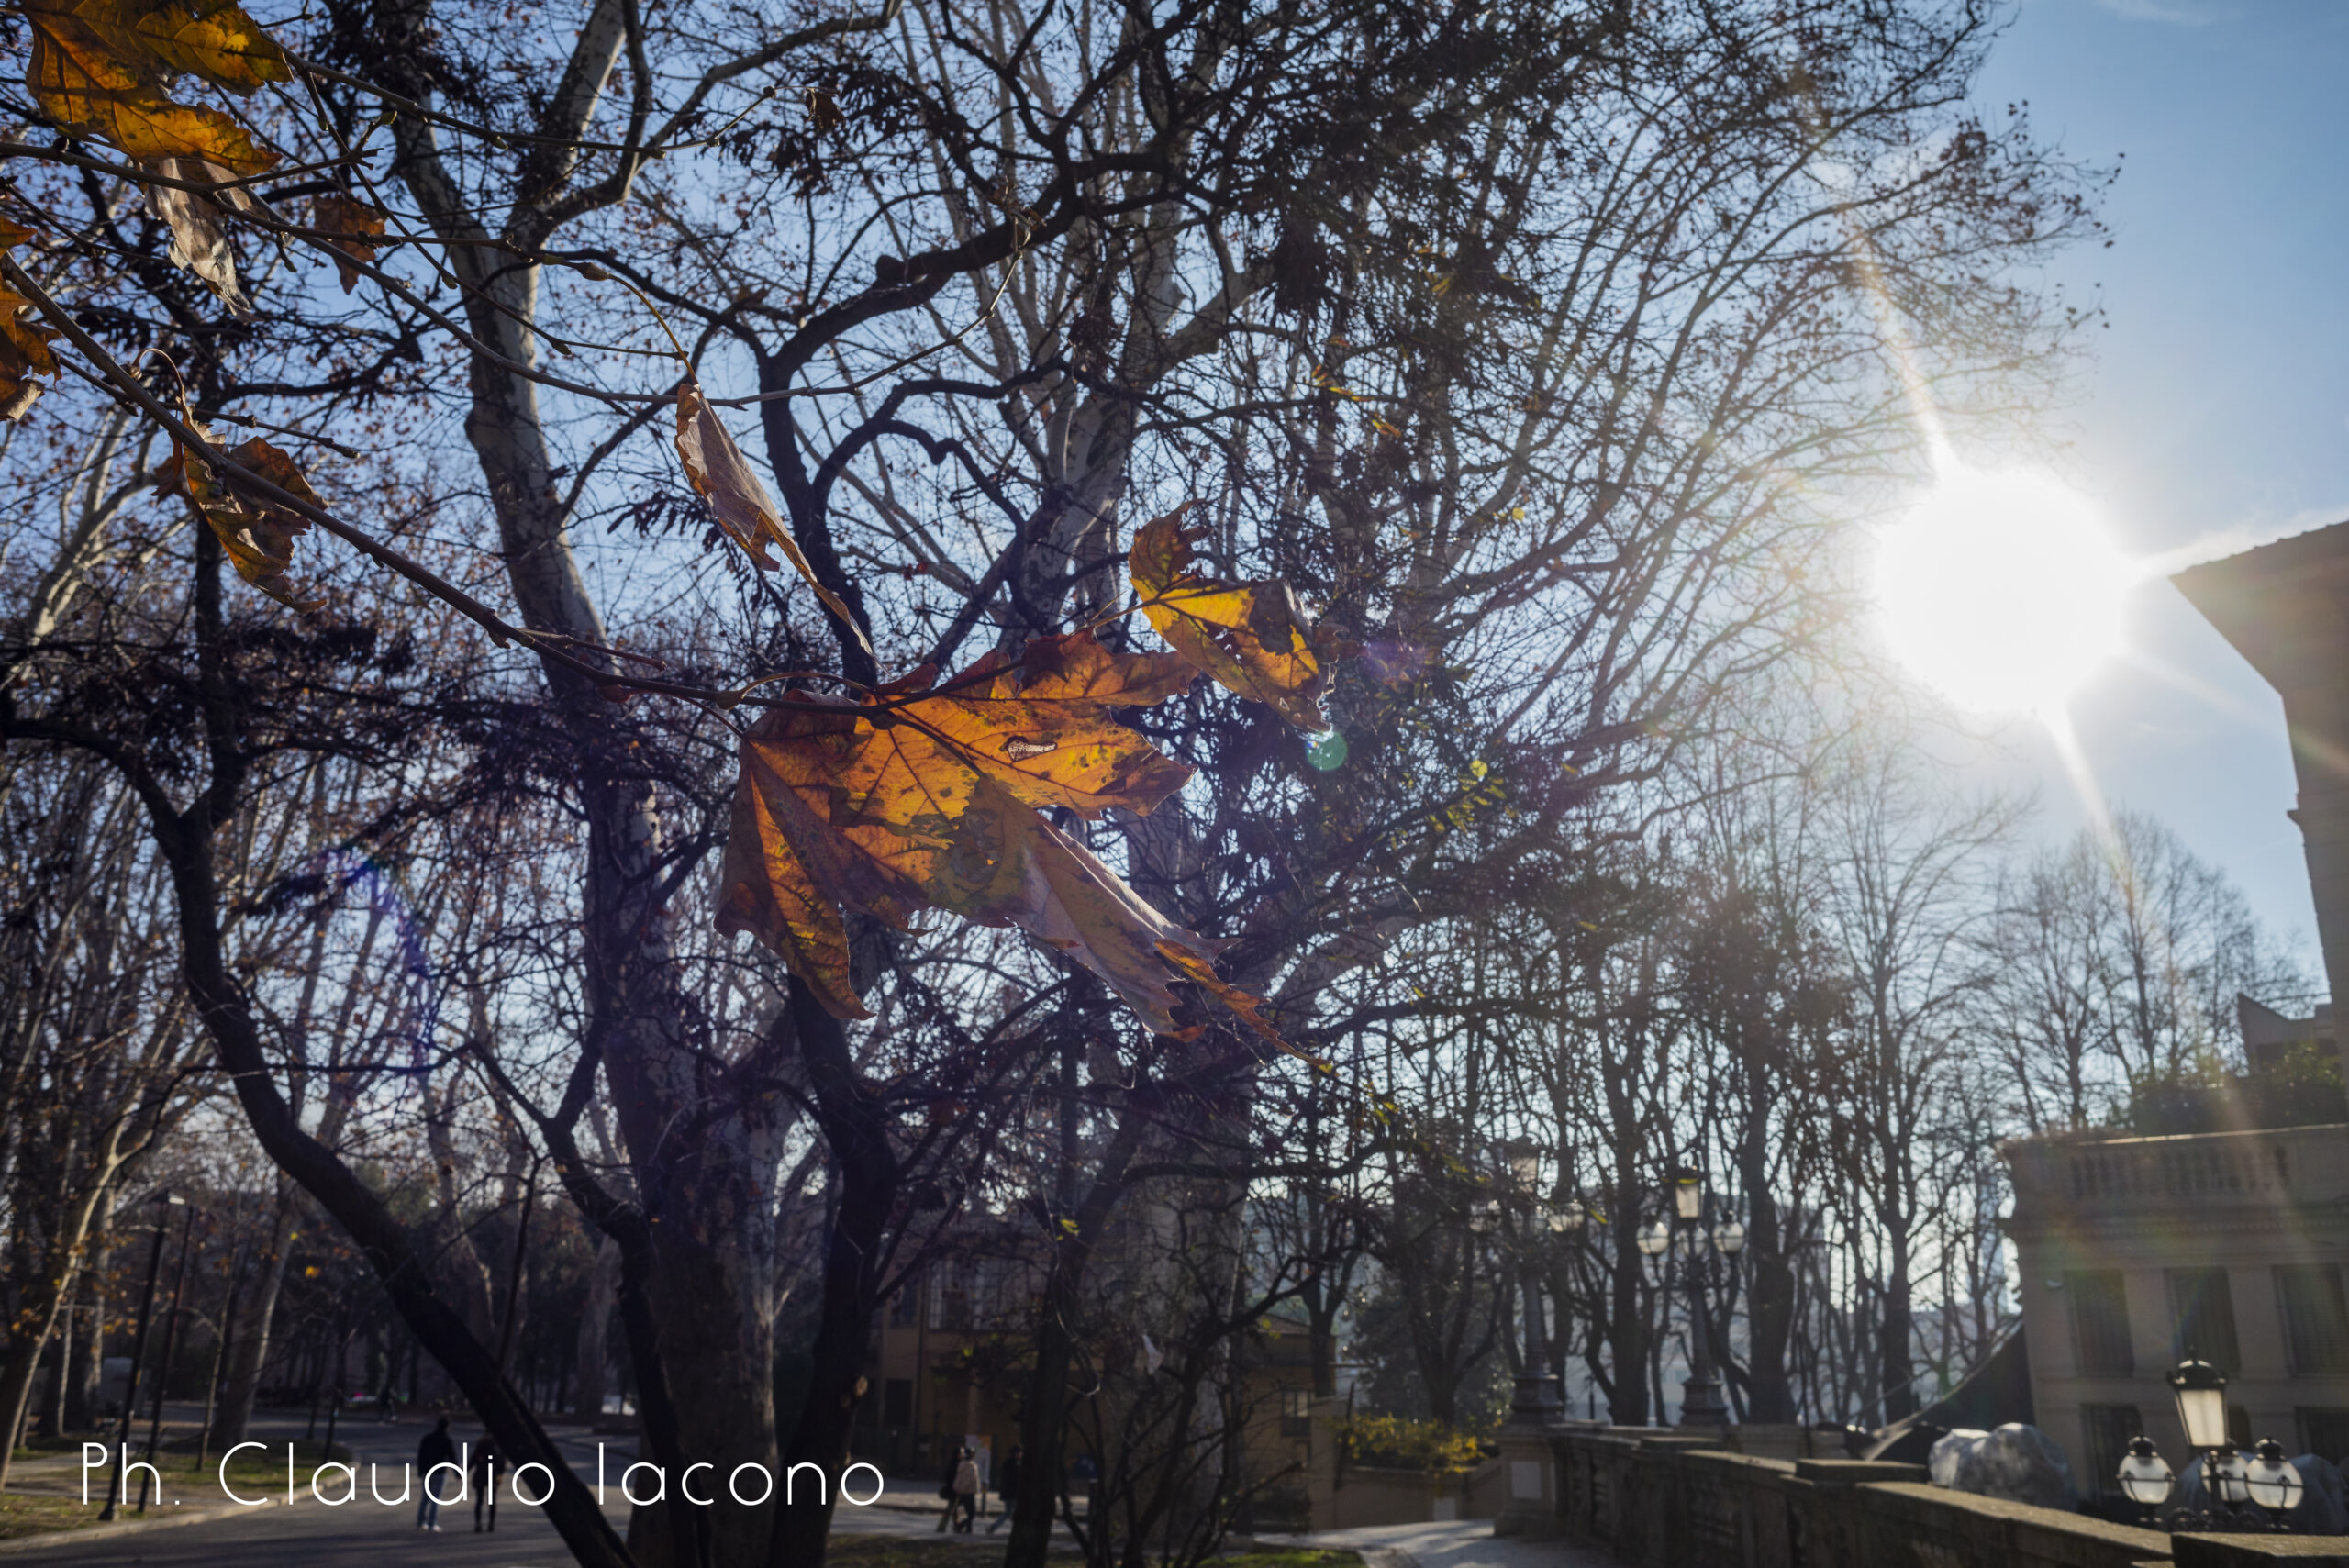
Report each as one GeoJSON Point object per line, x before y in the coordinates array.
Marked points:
{"type": "Point", "coordinates": [1655, 1501]}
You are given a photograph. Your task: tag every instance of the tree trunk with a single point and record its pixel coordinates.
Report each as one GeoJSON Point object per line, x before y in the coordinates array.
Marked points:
{"type": "Point", "coordinates": [856, 1129]}
{"type": "Point", "coordinates": [1898, 1330]}
{"type": "Point", "coordinates": [85, 1338]}
{"type": "Point", "coordinates": [1626, 1390]}
{"type": "Point", "coordinates": [595, 1329]}
{"type": "Point", "coordinates": [250, 1349]}
{"type": "Point", "coordinates": [52, 1405]}
{"type": "Point", "coordinates": [37, 1306]}
{"type": "Point", "coordinates": [710, 1284]}
{"type": "Point", "coordinates": [1770, 1282]}
{"type": "Point", "coordinates": [1044, 1432]}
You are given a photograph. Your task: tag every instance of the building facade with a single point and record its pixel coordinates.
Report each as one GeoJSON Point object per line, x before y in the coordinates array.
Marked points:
{"type": "Point", "coordinates": [2137, 1253]}
{"type": "Point", "coordinates": [2224, 1246]}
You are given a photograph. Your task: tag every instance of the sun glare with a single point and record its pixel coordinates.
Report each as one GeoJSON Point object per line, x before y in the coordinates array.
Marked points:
{"type": "Point", "coordinates": [2001, 591]}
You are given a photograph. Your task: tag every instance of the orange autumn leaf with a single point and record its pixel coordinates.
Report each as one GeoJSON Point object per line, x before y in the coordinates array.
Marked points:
{"type": "Point", "coordinates": [925, 797]}
{"type": "Point", "coordinates": [722, 476]}
{"type": "Point", "coordinates": [104, 66]}
{"type": "Point", "coordinates": [23, 341]}
{"type": "Point", "coordinates": [356, 221]}
{"type": "Point", "coordinates": [1251, 638]}
{"type": "Point", "coordinates": [257, 531]}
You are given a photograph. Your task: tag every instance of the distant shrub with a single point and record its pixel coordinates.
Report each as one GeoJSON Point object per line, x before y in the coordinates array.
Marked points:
{"type": "Point", "coordinates": [1432, 1446]}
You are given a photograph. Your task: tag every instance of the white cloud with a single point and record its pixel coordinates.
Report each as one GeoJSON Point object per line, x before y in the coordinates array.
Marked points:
{"type": "Point", "coordinates": [2169, 11]}
{"type": "Point", "coordinates": [2236, 538]}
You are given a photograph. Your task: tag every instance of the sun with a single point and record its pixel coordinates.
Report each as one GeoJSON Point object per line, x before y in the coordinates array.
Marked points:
{"type": "Point", "coordinates": [2002, 591]}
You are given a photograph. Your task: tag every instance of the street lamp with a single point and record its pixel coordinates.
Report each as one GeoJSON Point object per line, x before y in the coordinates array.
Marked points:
{"type": "Point", "coordinates": [1686, 1235]}
{"type": "Point", "coordinates": [2201, 1392]}
{"type": "Point", "coordinates": [2272, 1480]}
{"type": "Point", "coordinates": [2146, 1479]}
{"type": "Point", "coordinates": [1511, 1212]}
{"type": "Point", "coordinates": [2227, 1478]}
{"type": "Point", "coordinates": [1688, 1195]}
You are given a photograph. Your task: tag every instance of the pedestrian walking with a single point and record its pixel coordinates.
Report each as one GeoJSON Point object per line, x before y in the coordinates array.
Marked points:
{"type": "Point", "coordinates": [484, 1480]}
{"type": "Point", "coordinates": [437, 1450]}
{"type": "Point", "coordinates": [1006, 1487]}
{"type": "Point", "coordinates": [946, 1489]}
{"type": "Point", "coordinates": [966, 1492]}
{"type": "Point", "coordinates": [386, 1406]}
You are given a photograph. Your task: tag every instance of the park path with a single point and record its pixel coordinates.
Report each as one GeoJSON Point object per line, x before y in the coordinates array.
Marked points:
{"type": "Point", "coordinates": [367, 1535]}
{"type": "Point", "coordinates": [1469, 1543]}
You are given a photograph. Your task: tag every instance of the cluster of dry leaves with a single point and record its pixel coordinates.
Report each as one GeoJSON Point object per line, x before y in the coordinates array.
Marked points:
{"type": "Point", "coordinates": [924, 793]}
{"type": "Point", "coordinates": [929, 794]}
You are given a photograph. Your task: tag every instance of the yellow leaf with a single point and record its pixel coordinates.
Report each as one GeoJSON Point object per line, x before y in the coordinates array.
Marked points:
{"type": "Point", "coordinates": [722, 475]}
{"type": "Point", "coordinates": [769, 893]}
{"type": "Point", "coordinates": [213, 40]}
{"type": "Point", "coordinates": [83, 81]}
{"type": "Point", "coordinates": [1250, 638]}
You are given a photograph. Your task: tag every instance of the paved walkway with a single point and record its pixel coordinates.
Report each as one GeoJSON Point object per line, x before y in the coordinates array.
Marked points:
{"type": "Point", "coordinates": [311, 1535]}
{"type": "Point", "coordinates": [1467, 1544]}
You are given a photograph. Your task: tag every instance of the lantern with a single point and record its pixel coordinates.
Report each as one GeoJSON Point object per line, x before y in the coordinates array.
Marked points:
{"type": "Point", "coordinates": [1688, 1193]}
{"type": "Point", "coordinates": [2201, 1391]}
{"type": "Point", "coordinates": [2273, 1482]}
{"type": "Point", "coordinates": [2145, 1477]}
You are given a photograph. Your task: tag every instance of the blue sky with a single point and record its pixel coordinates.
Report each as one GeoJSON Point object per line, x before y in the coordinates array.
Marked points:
{"type": "Point", "coordinates": [2217, 413]}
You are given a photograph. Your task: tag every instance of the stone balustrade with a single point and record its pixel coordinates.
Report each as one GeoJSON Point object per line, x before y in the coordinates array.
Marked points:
{"type": "Point", "coordinates": [1656, 1500]}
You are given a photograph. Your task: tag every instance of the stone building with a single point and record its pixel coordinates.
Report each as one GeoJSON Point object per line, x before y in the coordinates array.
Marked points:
{"type": "Point", "coordinates": [2228, 1245]}
{"type": "Point", "coordinates": [2137, 1253]}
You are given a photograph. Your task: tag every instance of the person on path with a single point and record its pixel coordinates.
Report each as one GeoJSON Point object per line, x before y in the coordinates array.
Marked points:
{"type": "Point", "coordinates": [484, 1480]}
{"type": "Point", "coordinates": [966, 1492]}
{"type": "Point", "coordinates": [1007, 1488]}
{"type": "Point", "coordinates": [386, 1406]}
{"type": "Point", "coordinates": [436, 1449]}
{"type": "Point", "coordinates": [946, 1489]}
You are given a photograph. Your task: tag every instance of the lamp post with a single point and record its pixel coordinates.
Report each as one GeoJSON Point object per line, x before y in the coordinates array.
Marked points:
{"type": "Point", "coordinates": [2268, 1479]}
{"type": "Point", "coordinates": [2229, 1481]}
{"type": "Point", "coordinates": [171, 1200]}
{"type": "Point", "coordinates": [1537, 1401]}
{"type": "Point", "coordinates": [171, 1342]}
{"type": "Point", "coordinates": [1698, 1253]}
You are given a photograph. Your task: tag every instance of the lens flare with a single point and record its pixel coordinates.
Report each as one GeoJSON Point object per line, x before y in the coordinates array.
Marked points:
{"type": "Point", "coordinates": [2002, 591]}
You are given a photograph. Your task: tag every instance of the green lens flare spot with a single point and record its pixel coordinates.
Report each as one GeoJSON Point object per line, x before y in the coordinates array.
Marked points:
{"type": "Point", "coordinates": [1328, 751]}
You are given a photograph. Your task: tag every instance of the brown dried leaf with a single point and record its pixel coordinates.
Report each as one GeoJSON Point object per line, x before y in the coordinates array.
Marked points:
{"type": "Point", "coordinates": [722, 475]}
{"type": "Point", "coordinates": [359, 221]}
{"type": "Point", "coordinates": [23, 341]}
{"type": "Point", "coordinates": [199, 238]}
{"type": "Point", "coordinates": [256, 530]}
